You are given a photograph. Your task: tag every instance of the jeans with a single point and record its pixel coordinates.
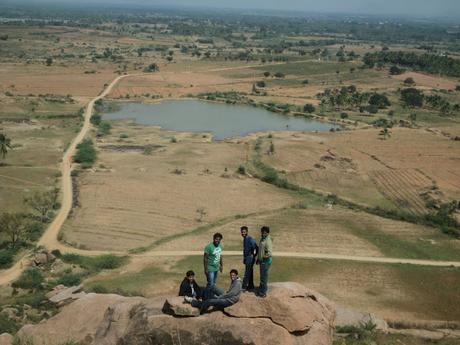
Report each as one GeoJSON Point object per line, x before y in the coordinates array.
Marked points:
{"type": "Point", "coordinates": [264, 268]}
{"type": "Point", "coordinates": [214, 302]}
{"type": "Point", "coordinates": [248, 280]}
{"type": "Point", "coordinates": [211, 289]}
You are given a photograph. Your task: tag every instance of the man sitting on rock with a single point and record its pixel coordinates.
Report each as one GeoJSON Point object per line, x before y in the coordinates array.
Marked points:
{"type": "Point", "coordinates": [221, 301]}
{"type": "Point", "coordinates": [189, 286]}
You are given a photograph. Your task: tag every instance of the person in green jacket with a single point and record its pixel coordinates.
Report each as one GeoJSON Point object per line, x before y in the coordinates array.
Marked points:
{"type": "Point", "coordinates": [264, 260]}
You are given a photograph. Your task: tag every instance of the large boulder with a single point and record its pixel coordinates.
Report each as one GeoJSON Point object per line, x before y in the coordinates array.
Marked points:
{"type": "Point", "coordinates": [290, 315]}
{"type": "Point", "coordinates": [62, 295]}
{"type": "Point", "coordinates": [6, 339]}
{"type": "Point", "coordinates": [176, 306]}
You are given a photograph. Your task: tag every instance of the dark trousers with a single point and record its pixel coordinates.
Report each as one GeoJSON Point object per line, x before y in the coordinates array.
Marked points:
{"type": "Point", "coordinates": [263, 286]}
{"type": "Point", "coordinates": [248, 280]}
{"type": "Point", "coordinates": [214, 302]}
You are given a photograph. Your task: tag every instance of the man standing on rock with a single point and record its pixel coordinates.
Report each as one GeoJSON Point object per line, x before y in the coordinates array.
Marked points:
{"type": "Point", "coordinates": [264, 259]}
{"type": "Point", "coordinates": [223, 300]}
{"type": "Point", "coordinates": [213, 263]}
{"type": "Point", "coordinates": [250, 250]}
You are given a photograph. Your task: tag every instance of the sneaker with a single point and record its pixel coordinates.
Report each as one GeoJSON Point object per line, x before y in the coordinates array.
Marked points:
{"type": "Point", "coordinates": [188, 299]}
{"type": "Point", "coordinates": [261, 295]}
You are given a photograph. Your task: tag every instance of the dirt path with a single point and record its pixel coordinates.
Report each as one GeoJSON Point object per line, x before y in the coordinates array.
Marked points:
{"type": "Point", "coordinates": [304, 255]}
{"type": "Point", "coordinates": [49, 238]}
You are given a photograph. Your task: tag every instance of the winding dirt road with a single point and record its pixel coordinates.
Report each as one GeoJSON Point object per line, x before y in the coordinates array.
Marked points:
{"type": "Point", "coordinates": [50, 237]}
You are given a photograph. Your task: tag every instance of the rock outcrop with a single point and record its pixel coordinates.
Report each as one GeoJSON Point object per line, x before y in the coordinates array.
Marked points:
{"type": "Point", "coordinates": [291, 315]}
{"type": "Point", "coordinates": [6, 339]}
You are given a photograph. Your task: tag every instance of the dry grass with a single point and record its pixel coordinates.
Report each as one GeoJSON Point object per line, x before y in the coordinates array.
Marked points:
{"type": "Point", "coordinates": [138, 199]}
{"type": "Point", "coordinates": [358, 165]}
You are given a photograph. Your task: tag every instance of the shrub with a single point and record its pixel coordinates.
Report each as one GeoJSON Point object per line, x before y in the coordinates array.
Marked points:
{"type": "Point", "coordinates": [31, 278]}
{"type": "Point", "coordinates": [344, 116]}
{"type": "Point", "coordinates": [305, 82]}
{"type": "Point", "coordinates": [70, 279]}
{"type": "Point", "coordinates": [96, 119]}
{"type": "Point", "coordinates": [412, 97]}
{"type": "Point", "coordinates": [6, 257]}
{"type": "Point", "coordinates": [99, 289]}
{"type": "Point", "coordinates": [409, 81]}
{"type": "Point", "coordinates": [105, 127]}
{"type": "Point", "coordinates": [86, 153]}
{"type": "Point", "coordinates": [108, 262]}
{"type": "Point", "coordinates": [279, 75]}
{"type": "Point", "coordinates": [309, 108]}
{"type": "Point", "coordinates": [395, 70]}
{"type": "Point", "coordinates": [261, 83]}
{"type": "Point", "coordinates": [7, 325]}
{"type": "Point", "coordinates": [266, 74]}
{"type": "Point", "coordinates": [241, 170]}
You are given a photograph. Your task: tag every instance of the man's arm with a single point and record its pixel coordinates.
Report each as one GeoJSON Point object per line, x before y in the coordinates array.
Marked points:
{"type": "Point", "coordinates": [268, 248]}
{"type": "Point", "coordinates": [221, 264]}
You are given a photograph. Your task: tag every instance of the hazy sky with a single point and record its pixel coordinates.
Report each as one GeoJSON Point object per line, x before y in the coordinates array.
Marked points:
{"type": "Point", "coordinates": [430, 8]}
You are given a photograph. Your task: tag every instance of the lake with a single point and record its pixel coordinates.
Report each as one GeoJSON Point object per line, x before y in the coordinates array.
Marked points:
{"type": "Point", "coordinates": [222, 120]}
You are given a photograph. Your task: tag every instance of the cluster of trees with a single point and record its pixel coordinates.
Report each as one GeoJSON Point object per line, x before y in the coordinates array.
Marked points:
{"type": "Point", "coordinates": [86, 154]}
{"type": "Point", "coordinates": [415, 98]}
{"type": "Point", "coordinates": [20, 229]}
{"type": "Point", "coordinates": [348, 97]}
{"type": "Point", "coordinates": [431, 63]}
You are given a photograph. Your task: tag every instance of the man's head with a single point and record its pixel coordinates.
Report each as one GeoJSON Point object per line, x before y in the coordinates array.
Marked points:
{"type": "Point", "coordinates": [190, 276]}
{"type": "Point", "coordinates": [233, 274]}
{"type": "Point", "coordinates": [244, 231]}
{"type": "Point", "coordinates": [217, 238]}
{"type": "Point", "coordinates": [264, 231]}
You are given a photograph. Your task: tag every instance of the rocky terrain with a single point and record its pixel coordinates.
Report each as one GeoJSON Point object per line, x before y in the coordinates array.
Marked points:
{"type": "Point", "coordinates": [292, 314]}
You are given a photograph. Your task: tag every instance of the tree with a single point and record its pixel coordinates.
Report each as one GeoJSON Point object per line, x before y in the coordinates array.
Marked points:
{"type": "Point", "coordinates": [379, 100]}
{"type": "Point", "coordinates": [5, 144]}
{"type": "Point", "coordinates": [409, 81]}
{"type": "Point", "coordinates": [385, 133]}
{"type": "Point", "coordinates": [14, 226]}
{"type": "Point", "coordinates": [43, 203]}
{"type": "Point", "coordinates": [153, 67]}
{"type": "Point", "coordinates": [412, 97]}
{"type": "Point", "coordinates": [395, 70]}
{"type": "Point", "coordinates": [49, 61]}
{"type": "Point", "coordinates": [266, 74]}
{"type": "Point", "coordinates": [309, 108]}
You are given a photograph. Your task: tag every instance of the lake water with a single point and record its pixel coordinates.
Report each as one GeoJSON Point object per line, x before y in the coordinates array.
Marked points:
{"type": "Point", "coordinates": [222, 120]}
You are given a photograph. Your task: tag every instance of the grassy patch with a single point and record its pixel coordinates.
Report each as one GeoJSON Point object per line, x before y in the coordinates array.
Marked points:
{"type": "Point", "coordinates": [130, 284]}
{"type": "Point", "coordinates": [97, 263]}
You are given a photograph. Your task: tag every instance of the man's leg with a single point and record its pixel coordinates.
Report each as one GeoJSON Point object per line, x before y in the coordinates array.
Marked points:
{"type": "Point", "coordinates": [251, 277]}
{"type": "Point", "coordinates": [211, 282]}
{"type": "Point", "coordinates": [263, 278]}
{"type": "Point", "coordinates": [197, 304]}
{"type": "Point", "coordinates": [215, 302]}
{"type": "Point", "coordinates": [246, 277]}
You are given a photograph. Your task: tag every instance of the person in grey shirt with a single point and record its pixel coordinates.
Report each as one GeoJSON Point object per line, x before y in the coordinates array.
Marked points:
{"type": "Point", "coordinates": [221, 301]}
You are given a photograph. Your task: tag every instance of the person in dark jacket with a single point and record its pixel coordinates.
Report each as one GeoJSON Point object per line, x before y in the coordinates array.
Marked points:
{"type": "Point", "coordinates": [250, 250]}
{"type": "Point", "coordinates": [221, 301]}
{"type": "Point", "coordinates": [189, 286]}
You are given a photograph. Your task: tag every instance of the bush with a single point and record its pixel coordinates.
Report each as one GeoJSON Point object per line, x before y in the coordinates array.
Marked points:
{"type": "Point", "coordinates": [31, 278]}
{"type": "Point", "coordinates": [34, 231]}
{"type": "Point", "coordinates": [99, 289]}
{"type": "Point", "coordinates": [344, 116]}
{"type": "Point", "coordinates": [105, 127]}
{"type": "Point", "coordinates": [261, 83]}
{"type": "Point", "coordinates": [70, 279]}
{"type": "Point", "coordinates": [241, 170]}
{"type": "Point", "coordinates": [7, 325]}
{"type": "Point", "coordinates": [96, 119]}
{"type": "Point", "coordinates": [279, 75]}
{"type": "Point", "coordinates": [412, 97]}
{"type": "Point", "coordinates": [95, 264]}
{"type": "Point", "coordinates": [86, 153]}
{"type": "Point", "coordinates": [309, 108]}
{"type": "Point", "coordinates": [7, 257]}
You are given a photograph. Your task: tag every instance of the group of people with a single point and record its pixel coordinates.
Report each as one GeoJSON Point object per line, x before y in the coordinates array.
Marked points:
{"type": "Point", "coordinates": [253, 254]}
